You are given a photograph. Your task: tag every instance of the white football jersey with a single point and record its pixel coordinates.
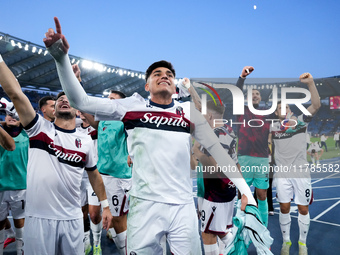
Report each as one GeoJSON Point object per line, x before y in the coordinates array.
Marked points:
{"type": "Point", "coordinates": [57, 158]}
{"type": "Point", "coordinates": [290, 148]}
{"type": "Point", "coordinates": [159, 144]}
{"type": "Point", "coordinates": [314, 146]}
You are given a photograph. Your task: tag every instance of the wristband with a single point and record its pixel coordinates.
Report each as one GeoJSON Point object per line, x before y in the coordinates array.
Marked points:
{"type": "Point", "coordinates": [56, 50]}
{"type": "Point", "coordinates": [181, 83]}
{"type": "Point", "coordinates": [104, 203]}
{"type": "Point", "coordinates": [1, 60]}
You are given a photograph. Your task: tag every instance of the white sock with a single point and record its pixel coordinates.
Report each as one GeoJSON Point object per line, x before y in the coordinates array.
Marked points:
{"type": "Point", "coordinates": [303, 221]}
{"type": "Point", "coordinates": [313, 160]}
{"type": "Point", "coordinates": [2, 240]}
{"type": "Point", "coordinates": [87, 237]}
{"type": "Point", "coordinates": [120, 242]}
{"type": "Point", "coordinates": [227, 239]}
{"type": "Point", "coordinates": [9, 233]}
{"type": "Point", "coordinates": [221, 245]}
{"type": "Point", "coordinates": [19, 238]}
{"type": "Point", "coordinates": [96, 232]}
{"type": "Point", "coordinates": [113, 232]}
{"type": "Point", "coordinates": [211, 249]}
{"type": "Point", "coordinates": [285, 221]}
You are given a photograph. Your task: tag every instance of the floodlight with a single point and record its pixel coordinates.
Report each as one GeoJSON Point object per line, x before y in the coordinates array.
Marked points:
{"type": "Point", "coordinates": [98, 67]}
{"type": "Point", "coordinates": [87, 64]}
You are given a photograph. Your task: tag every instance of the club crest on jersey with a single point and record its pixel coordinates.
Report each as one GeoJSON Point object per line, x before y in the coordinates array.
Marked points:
{"type": "Point", "coordinates": [78, 143]}
{"type": "Point", "coordinates": [179, 111]}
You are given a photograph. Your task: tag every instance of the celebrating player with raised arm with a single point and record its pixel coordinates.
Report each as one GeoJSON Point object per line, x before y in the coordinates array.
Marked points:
{"type": "Point", "coordinates": [159, 144]}
{"type": "Point", "coordinates": [290, 151]}
{"type": "Point", "coordinates": [58, 155]}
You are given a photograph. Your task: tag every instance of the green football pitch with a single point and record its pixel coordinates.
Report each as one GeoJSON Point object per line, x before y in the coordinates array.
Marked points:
{"type": "Point", "coordinates": [332, 152]}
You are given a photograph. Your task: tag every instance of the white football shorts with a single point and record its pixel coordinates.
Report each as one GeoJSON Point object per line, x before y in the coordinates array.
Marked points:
{"type": "Point", "coordinates": [216, 218]}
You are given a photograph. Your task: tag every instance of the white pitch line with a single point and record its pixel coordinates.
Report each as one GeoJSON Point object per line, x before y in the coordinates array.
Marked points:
{"type": "Point", "coordinates": [326, 199]}
{"type": "Point", "coordinates": [325, 211]}
{"type": "Point", "coordinates": [325, 222]}
{"type": "Point", "coordinates": [324, 178]}
{"type": "Point", "coordinates": [323, 187]}
{"type": "Point", "coordinates": [318, 221]}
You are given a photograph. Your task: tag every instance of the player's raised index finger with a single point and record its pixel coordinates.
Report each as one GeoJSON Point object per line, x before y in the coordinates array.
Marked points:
{"type": "Point", "coordinates": [57, 25]}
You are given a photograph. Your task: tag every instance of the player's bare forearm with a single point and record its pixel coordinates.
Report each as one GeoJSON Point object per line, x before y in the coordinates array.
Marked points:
{"type": "Point", "coordinates": [12, 88]}
{"type": "Point", "coordinates": [98, 187]}
{"type": "Point", "coordinates": [97, 184]}
{"type": "Point", "coordinates": [6, 141]}
{"type": "Point", "coordinates": [307, 78]}
{"type": "Point", "coordinates": [195, 97]}
{"type": "Point", "coordinates": [315, 99]}
{"type": "Point", "coordinates": [90, 120]}
{"type": "Point", "coordinates": [270, 142]}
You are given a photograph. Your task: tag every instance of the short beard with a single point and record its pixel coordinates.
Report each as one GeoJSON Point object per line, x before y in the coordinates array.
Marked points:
{"type": "Point", "coordinates": [64, 115]}
{"type": "Point", "coordinates": [164, 94]}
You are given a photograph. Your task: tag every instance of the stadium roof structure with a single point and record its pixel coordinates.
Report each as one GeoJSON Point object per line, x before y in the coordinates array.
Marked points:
{"type": "Point", "coordinates": [35, 68]}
